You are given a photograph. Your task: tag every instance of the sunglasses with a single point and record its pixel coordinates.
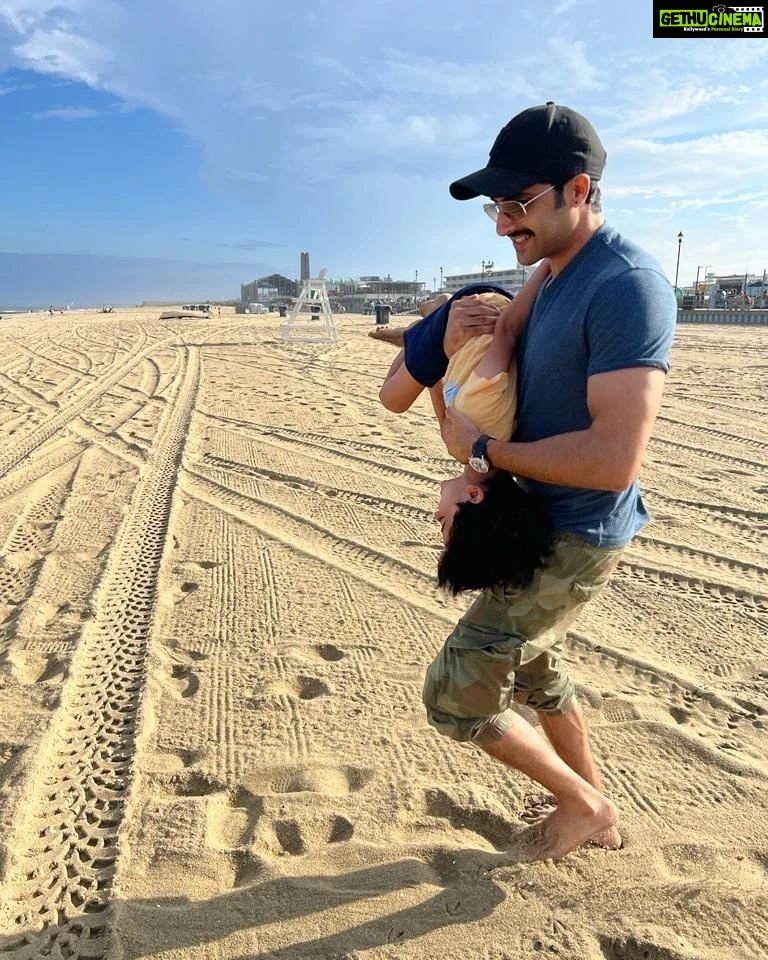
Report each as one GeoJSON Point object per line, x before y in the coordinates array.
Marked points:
{"type": "Point", "coordinates": [512, 208]}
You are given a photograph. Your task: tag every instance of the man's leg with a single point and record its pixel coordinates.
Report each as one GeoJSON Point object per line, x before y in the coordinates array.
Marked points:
{"type": "Point", "coordinates": [543, 684]}
{"type": "Point", "coordinates": [467, 689]}
{"type": "Point", "coordinates": [567, 732]}
{"type": "Point", "coordinates": [581, 812]}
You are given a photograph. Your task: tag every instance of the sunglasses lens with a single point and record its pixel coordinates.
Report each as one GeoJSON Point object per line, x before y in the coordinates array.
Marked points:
{"type": "Point", "coordinates": [513, 209]}
{"type": "Point", "coordinates": [492, 210]}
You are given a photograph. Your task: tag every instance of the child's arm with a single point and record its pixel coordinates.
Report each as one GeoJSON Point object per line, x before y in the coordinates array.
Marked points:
{"type": "Point", "coordinates": [399, 390]}
{"type": "Point", "coordinates": [499, 355]}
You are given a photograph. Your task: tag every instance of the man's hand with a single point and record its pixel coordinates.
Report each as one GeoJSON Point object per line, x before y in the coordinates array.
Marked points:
{"type": "Point", "coordinates": [459, 433]}
{"type": "Point", "coordinates": [467, 318]}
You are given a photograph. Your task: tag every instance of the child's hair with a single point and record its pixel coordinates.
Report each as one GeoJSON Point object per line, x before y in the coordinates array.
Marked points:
{"type": "Point", "coordinates": [503, 539]}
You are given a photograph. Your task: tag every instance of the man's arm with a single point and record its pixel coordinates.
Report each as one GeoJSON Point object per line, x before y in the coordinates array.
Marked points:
{"type": "Point", "coordinates": [607, 455]}
{"type": "Point", "coordinates": [509, 328]}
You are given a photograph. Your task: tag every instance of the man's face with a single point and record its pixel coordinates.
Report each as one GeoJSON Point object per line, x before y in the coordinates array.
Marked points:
{"type": "Point", "coordinates": [543, 231]}
{"type": "Point", "coordinates": [453, 492]}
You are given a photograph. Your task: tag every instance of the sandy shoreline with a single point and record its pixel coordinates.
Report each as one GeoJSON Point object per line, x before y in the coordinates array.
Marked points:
{"type": "Point", "coordinates": [217, 558]}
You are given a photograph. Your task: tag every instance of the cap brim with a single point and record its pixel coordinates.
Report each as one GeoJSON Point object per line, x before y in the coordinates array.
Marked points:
{"type": "Point", "coordinates": [491, 182]}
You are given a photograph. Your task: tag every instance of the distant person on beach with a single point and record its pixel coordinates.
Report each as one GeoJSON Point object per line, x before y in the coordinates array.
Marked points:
{"type": "Point", "coordinates": [591, 365]}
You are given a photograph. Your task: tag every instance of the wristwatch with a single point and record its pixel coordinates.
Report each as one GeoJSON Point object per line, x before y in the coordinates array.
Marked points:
{"type": "Point", "coordinates": [479, 459]}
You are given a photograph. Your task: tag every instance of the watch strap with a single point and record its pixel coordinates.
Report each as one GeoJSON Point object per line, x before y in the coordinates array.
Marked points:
{"type": "Point", "coordinates": [480, 448]}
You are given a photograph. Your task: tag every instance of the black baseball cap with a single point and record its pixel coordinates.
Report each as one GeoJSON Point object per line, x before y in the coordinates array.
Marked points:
{"type": "Point", "coordinates": [544, 144]}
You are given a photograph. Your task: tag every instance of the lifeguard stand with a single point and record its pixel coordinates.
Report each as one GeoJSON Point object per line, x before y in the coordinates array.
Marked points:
{"type": "Point", "coordinates": [310, 319]}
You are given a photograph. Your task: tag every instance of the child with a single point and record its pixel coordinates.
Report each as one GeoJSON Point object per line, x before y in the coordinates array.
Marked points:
{"type": "Point", "coordinates": [493, 533]}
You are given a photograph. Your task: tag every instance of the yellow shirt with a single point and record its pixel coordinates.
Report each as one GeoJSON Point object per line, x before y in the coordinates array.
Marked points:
{"type": "Point", "coordinates": [491, 404]}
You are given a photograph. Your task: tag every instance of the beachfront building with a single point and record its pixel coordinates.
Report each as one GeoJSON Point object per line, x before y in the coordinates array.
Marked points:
{"type": "Point", "coordinates": [361, 294]}
{"type": "Point", "coordinates": [269, 289]}
{"type": "Point", "coordinates": [737, 290]}
{"type": "Point", "coordinates": [511, 279]}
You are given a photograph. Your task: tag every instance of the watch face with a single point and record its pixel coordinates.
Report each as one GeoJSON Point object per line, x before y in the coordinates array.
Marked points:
{"type": "Point", "coordinates": [480, 464]}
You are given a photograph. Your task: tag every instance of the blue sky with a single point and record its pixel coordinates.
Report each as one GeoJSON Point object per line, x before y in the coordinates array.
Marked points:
{"type": "Point", "coordinates": [215, 142]}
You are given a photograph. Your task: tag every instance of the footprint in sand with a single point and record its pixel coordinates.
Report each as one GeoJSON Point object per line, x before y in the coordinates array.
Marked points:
{"type": "Point", "coordinates": [492, 825]}
{"type": "Point", "coordinates": [319, 651]}
{"type": "Point", "coordinates": [300, 835]}
{"type": "Point", "coordinates": [326, 779]}
{"type": "Point", "coordinates": [298, 688]}
{"type": "Point", "coordinates": [180, 664]}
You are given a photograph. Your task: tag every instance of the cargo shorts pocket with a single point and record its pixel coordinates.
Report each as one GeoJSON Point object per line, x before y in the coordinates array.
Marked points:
{"type": "Point", "coordinates": [585, 588]}
{"type": "Point", "coordinates": [474, 673]}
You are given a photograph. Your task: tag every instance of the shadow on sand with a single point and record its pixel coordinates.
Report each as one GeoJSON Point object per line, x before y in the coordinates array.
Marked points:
{"type": "Point", "coordinates": [467, 893]}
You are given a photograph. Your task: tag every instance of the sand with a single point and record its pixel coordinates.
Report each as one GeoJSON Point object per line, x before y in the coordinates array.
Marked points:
{"type": "Point", "coordinates": [217, 556]}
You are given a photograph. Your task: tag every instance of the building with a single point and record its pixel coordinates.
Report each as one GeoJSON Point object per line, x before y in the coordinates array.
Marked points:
{"type": "Point", "coordinates": [356, 295]}
{"type": "Point", "coordinates": [726, 291]}
{"type": "Point", "coordinates": [511, 279]}
{"type": "Point", "coordinates": [269, 289]}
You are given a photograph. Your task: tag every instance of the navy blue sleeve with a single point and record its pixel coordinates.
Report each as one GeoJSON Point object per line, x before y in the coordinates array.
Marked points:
{"type": "Point", "coordinates": [631, 322]}
{"type": "Point", "coordinates": [424, 354]}
{"type": "Point", "coordinates": [425, 357]}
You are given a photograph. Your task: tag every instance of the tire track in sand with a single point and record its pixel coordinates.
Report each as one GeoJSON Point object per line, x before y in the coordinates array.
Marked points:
{"type": "Point", "coordinates": [65, 840]}
{"type": "Point", "coordinates": [16, 452]}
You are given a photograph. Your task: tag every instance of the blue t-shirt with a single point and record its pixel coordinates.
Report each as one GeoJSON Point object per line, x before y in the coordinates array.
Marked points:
{"type": "Point", "coordinates": [610, 308]}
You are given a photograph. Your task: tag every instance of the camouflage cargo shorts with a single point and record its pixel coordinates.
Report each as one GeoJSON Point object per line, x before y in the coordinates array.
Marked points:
{"type": "Point", "coordinates": [509, 645]}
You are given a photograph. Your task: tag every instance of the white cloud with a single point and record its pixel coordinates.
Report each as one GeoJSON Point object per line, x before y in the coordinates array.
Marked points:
{"type": "Point", "coordinates": [66, 113]}
{"type": "Point", "coordinates": [385, 96]}
{"type": "Point", "coordinates": [570, 57]}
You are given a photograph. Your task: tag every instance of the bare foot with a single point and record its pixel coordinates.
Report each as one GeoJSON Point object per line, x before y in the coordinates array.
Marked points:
{"type": "Point", "coordinates": [540, 806]}
{"type": "Point", "coordinates": [393, 335]}
{"type": "Point", "coordinates": [609, 839]}
{"type": "Point", "coordinates": [566, 828]}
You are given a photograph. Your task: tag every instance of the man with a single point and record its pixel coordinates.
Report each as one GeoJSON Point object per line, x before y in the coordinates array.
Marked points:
{"type": "Point", "coordinates": [592, 361]}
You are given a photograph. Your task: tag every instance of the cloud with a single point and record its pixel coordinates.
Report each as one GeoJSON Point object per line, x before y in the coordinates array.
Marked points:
{"type": "Point", "coordinates": [244, 176]}
{"type": "Point", "coordinates": [250, 245]}
{"type": "Point", "coordinates": [571, 58]}
{"type": "Point", "coordinates": [66, 113]}
{"type": "Point", "coordinates": [382, 104]}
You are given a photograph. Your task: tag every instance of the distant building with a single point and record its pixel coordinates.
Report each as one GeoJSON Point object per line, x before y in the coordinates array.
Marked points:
{"type": "Point", "coordinates": [511, 279]}
{"type": "Point", "coordinates": [266, 289]}
{"type": "Point", "coordinates": [305, 275]}
{"type": "Point", "coordinates": [356, 295]}
{"type": "Point", "coordinates": [732, 291]}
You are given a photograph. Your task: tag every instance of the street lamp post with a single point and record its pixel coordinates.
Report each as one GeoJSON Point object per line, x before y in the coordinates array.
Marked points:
{"type": "Point", "coordinates": [487, 266]}
{"type": "Point", "coordinates": [677, 268]}
{"type": "Point", "coordinates": [441, 279]}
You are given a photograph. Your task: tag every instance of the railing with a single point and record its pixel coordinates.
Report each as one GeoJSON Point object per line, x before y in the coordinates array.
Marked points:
{"type": "Point", "coordinates": [743, 317]}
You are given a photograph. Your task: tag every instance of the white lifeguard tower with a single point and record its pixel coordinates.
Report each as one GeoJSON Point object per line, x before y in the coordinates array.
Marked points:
{"type": "Point", "coordinates": [310, 319]}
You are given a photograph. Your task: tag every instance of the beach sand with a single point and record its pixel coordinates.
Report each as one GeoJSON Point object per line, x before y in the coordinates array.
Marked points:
{"type": "Point", "coordinates": [217, 560]}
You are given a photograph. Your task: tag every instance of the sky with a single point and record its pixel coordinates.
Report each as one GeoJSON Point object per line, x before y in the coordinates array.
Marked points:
{"type": "Point", "coordinates": [178, 148]}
